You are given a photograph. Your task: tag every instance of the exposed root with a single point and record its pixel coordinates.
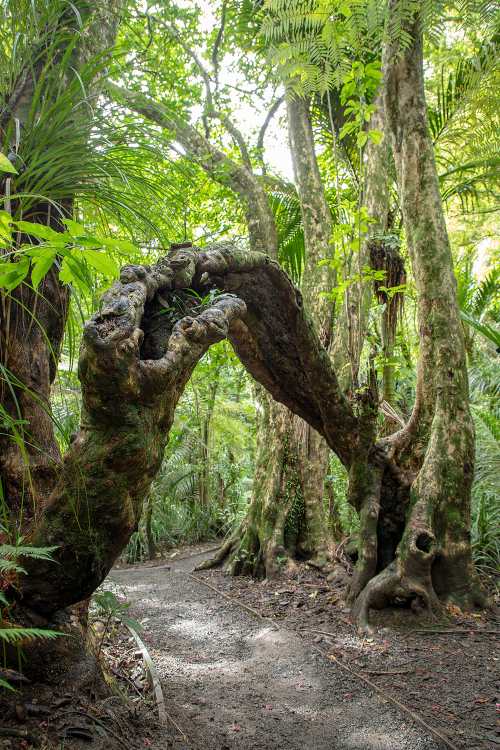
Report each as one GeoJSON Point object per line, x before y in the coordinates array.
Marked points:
{"type": "Point", "coordinates": [407, 578]}
{"type": "Point", "coordinates": [220, 556]}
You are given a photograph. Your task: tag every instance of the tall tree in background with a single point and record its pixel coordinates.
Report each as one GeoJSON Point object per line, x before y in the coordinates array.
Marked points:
{"type": "Point", "coordinates": [433, 558]}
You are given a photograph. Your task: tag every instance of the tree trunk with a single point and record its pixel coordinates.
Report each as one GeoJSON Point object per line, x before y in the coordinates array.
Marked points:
{"type": "Point", "coordinates": [32, 324]}
{"type": "Point", "coordinates": [434, 454]}
{"type": "Point", "coordinates": [352, 316]}
{"type": "Point", "coordinates": [287, 517]}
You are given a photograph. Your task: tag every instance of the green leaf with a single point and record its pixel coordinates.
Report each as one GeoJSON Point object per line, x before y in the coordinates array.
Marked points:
{"type": "Point", "coordinates": [106, 600]}
{"type": "Point", "coordinates": [4, 684]}
{"type": "Point", "coordinates": [6, 165]}
{"type": "Point", "coordinates": [5, 224]}
{"type": "Point", "coordinates": [41, 231]}
{"type": "Point", "coordinates": [362, 138]}
{"type": "Point", "coordinates": [74, 228]}
{"type": "Point", "coordinates": [345, 10]}
{"type": "Point", "coordinates": [73, 271]}
{"type": "Point", "coordinates": [12, 274]}
{"type": "Point", "coordinates": [15, 635]}
{"type": "Point", "coordinates": [131, 623]}
{"type": "Point", "coordinates": [124, 246]}
{"type": "Point", "coordinates": [489, 333]}
{"type": "Point", "coordinates": [41, 265]}
{"type": "Point", "coordinates": [375, 136]}
{"type": "Point", "coordinates": [101, 262]}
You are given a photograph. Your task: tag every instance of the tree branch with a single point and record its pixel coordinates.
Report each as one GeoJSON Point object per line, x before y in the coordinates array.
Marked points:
{"type": "Point", "coordinates": [227, 172]}
{"type": "Point", "coordinates": [218, 42]}
{"type": "Point", "coordinates": [262, 132]}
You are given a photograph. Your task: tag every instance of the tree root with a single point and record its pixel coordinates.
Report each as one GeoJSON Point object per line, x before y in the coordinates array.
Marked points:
{"type": "Point", "coordinates": [407, 578]}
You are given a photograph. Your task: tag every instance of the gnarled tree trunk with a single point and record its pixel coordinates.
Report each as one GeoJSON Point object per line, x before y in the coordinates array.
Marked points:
{"type": "Point", "coordinates": [132, 376]}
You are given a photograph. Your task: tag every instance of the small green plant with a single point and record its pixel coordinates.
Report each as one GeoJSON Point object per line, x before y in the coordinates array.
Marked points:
{"type": "Point", "coordinates": [111, 609]}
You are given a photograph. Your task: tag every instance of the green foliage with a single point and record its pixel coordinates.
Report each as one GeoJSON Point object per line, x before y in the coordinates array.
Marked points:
{"type": "Point", "coordinates": [313, 43]}
{"type": "Point", "coordinates": [285, 205]}
{"type": "Point", "coordinates": [486, 491]}
{"type": "Point", "coordinates": [78, 254]}
{"type": "Point", "coordinates": [109, 606]}
{"type": "Point", "coordinates": [464, 122]}
{"type": "Point", "coordinates": [10, 564]}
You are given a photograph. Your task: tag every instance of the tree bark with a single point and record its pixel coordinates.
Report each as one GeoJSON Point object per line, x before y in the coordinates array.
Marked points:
{"type": "Point", "coordinates": [32, 324]}
{"type": "Point", "coordinates": [435, 451]}
{"type": "Point", "coordinates": [313, 452]}
{"type": "Point", "coordinates": [287, 518]}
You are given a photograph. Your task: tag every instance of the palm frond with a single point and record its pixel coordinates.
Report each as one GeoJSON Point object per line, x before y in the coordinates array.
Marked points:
{"type": "Point", "coordinates": [285, 205]}
{"type": "Point", "coordinates": [487, 331]}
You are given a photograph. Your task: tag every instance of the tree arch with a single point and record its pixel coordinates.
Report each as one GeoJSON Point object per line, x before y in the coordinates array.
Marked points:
{"type": "Point", "coordinates": [135, 361]}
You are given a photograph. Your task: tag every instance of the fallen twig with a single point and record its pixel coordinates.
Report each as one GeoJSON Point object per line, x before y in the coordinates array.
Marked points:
{"type": "Point", "coordinates": [452, 631]}
{"type": "Point", "coordinates": [416, 717]}
{"type": "Point", "coordinates": [320, 632]}
{"type": "Point", "coordinates": [252, 611]}
{"type": "Point", "coordinates": [396, 671]}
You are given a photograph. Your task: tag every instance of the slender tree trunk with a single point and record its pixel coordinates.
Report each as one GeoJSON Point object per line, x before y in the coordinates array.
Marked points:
{"type": "Point", "coordinates": [287, 517]}
{"type": "Point", "coordinates": [312, 450]}
{"type": "Point", "coordinates": [352, 316]}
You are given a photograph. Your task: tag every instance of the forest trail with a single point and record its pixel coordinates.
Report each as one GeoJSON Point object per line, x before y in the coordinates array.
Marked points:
{"type": "Point", "coordinates": [231, 681]}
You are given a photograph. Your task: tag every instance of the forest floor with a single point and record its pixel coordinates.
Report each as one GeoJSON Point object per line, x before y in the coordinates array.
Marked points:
{"type": "Point", "coordinates": [271, 665]}
{"type": "Point", "coordinates": [292, 672]}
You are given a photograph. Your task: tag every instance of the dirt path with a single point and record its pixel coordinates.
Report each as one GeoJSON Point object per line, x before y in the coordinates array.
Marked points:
{"type": "Point", "coordinates": [232, 682]}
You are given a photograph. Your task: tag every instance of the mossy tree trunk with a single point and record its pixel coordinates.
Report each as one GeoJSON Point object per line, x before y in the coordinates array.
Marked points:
{"type": "Point", "coordinates": [132, 375]}
{"type": "Point", "coordinates": [287, 519]}
{"type": "Point", "coordinates": [434, 453]}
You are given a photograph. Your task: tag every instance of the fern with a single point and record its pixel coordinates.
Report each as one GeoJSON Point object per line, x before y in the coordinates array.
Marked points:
{"type": "Point", "coordinates": [15, 636]}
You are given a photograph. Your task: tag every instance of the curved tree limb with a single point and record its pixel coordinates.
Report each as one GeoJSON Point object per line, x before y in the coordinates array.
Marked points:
{"type": "Point", "coordinates": [134, 365]}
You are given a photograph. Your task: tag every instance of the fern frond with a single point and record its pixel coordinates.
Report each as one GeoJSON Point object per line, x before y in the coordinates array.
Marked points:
{"type": "Point", "coordinates": [17, 635]}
